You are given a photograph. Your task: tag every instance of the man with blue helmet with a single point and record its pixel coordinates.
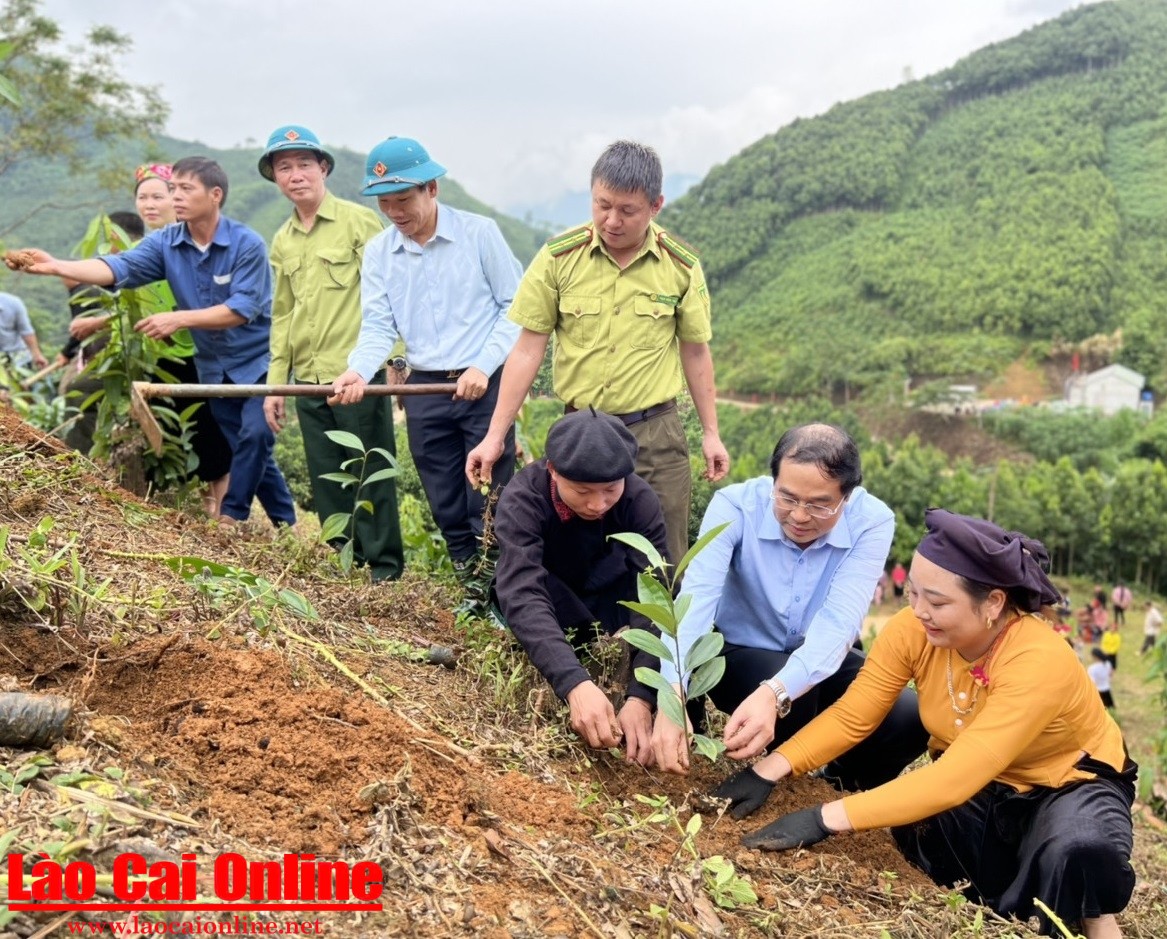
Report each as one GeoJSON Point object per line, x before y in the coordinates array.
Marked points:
{"type": "Point", "coordinates": [440, 279]}
{"type": "Point", "coordinates": [316, 316]}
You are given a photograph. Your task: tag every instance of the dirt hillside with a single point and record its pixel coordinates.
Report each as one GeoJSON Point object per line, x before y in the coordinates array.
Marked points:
{"type": "Point", "coordinates": [223, 714]}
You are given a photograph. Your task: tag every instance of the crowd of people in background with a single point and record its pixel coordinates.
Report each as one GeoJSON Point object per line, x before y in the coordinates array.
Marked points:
{"type": "Point", "coordinates": [1025, 786]}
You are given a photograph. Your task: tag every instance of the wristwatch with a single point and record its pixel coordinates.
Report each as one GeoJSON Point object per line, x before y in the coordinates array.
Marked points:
{"type": "Point", "coordinates": [398, 363]}
{"type": "Point", "coordinates": [780, 695]}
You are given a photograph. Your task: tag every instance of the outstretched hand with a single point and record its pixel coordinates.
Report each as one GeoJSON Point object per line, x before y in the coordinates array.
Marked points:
{"type": "Point", "coordinates": [796, 830]}
{"type": "Point", "coordinates": [746, 790]}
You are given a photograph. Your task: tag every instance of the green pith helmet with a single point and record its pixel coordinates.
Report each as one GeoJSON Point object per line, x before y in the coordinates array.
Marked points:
{"type": "Point", "coordinates": [397, 164]}
{"type": "Point", "coordinates": [291, 137]}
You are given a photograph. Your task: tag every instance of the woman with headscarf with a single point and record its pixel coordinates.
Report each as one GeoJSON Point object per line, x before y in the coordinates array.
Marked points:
{"type": "Point", "coordinates": [155, 207]}
{"type": "Point", "coordinates": [1029, 791]}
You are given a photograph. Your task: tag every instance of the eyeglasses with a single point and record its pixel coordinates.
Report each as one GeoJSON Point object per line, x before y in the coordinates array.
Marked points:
{"type": "Point", "coordinates": [786, 504]}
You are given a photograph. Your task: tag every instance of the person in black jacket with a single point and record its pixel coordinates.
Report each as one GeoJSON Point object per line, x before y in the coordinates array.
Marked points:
{"type": "Point", "coordinates": [560, 574]}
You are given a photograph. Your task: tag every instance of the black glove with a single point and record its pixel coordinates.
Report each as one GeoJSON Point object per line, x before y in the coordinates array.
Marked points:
{"type": "Point", "coordinates": [747, 792]}
{"type": "Point", "coordinates": [796, 830]}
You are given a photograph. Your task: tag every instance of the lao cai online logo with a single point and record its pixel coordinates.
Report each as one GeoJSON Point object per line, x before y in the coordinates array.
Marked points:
{"type": "Point", "coordinates": [298, 882]}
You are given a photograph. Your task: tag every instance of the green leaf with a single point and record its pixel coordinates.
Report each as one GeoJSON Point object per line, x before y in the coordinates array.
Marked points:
{"type": "Point", "coordinates": [651, 590]}
{"type": "Point", "coordinates": [703, 650]}
{"type": "Point", "coordinates": [298, 604]}
{"type": "Point", "coordinates": [191, 567]}
{"type": "Point", "coordinates": [345, 479]}
{"type": "Point", "coordinates": [644, 640]}
{"type": "Point", "coordinates": [706, 677]}
{"type": "Point", "coordinates": [345, 439]}
{"type": "Point", "coordinates": [643, 545]}
{"type": "Point", "coordinates": [387, 473]}
{"type": "Point", "coordinates": [346, 557]}
{"type": "Point", "coordinates": [654, 679]}
{"type": "Point", "coordinates": [708, 747]}
{"type": "Point", "coordinates": [384, 454]}
{"type": "Point", "coordinates": [335, 526]}
{"type": "Point", "coordinates": [8, 91]}
{"type": "Point", "coordinates": [681, 607]}
{"type": "Point", "coordinates": [662, 616]}
{"type": "Point", "coordinates": [669, 704]}
{"type": "Point", "coordinates": [698, 547]}
{"type": "Point", "coordinates": [693, 825]}
{"type": "Point", "coordinates": [364, 505]}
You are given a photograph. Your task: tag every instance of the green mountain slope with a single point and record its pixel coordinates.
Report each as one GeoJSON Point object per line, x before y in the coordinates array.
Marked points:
{"type": "Point", "coordinates": [1016, 200]}
{"type": "Point", "coordinates": [42, 205]}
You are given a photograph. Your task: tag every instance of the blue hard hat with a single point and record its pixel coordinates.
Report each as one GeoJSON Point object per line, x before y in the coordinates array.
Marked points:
{"type": "Point", "coordinates": [397, 164]}
{"type": "Point", "coordinates": [291, 137]}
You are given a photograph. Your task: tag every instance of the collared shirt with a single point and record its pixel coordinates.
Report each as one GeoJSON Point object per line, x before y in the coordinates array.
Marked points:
{"type": "Point", "coordinates": [616, 331]}
{"type": "Point", "coordinates": [14, 324]}
{"type": "Point", "coordinates": [316, 307]}
{"type": "Point", "coordinates": [446, 299]}
{"type": "Point", "coordinates": [766, 592]}
{"type": "Point", "coordinates": [233, 271]}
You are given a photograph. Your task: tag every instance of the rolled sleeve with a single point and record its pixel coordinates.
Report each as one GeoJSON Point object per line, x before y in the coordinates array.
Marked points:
{"type": "Point", "coordinates": [142, 264]}
{"type": "Point", "coordinates": [250, 281]}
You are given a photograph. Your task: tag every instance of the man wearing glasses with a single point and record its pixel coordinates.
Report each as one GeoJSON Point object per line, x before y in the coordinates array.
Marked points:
{"type": "Point", "coordinates": [787, 584]}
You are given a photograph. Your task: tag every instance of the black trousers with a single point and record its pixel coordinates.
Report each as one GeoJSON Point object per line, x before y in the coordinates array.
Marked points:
{"type": "Point", "coordinates": [442, 432]}
{"type": "Point", "coordinates": [1069, 847]}
{"type": "Point", "coordinates": [898, 740]}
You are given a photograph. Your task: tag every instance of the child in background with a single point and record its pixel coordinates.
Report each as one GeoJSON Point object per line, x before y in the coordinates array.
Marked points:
{"type": "Point", "coordinates": [1110, 643]}
{"type": "Point", "coordinates": [1100, 671]}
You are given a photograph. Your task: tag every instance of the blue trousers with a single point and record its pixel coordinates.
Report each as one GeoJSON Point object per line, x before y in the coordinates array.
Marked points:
{"type": "Point", "coordinates": [441, 434]}
{"type": "Point", "coordinates": [254, 473]}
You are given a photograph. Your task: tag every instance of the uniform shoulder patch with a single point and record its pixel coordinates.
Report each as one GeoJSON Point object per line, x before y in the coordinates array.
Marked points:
{"type": "Point", "coordinates": [678, 249]}
{"type": "Point", "coordinates": [570, 240]}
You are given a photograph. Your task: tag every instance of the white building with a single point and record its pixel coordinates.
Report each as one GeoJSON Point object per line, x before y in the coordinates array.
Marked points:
{"type": "Point", "coordinates": [1108, 390]}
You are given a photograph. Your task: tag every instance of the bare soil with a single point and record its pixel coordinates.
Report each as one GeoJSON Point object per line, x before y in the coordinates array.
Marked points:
{"type": "Point", "coordinates": [486, 817]}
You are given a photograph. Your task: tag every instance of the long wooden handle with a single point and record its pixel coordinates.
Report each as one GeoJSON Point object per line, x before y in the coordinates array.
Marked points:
{"type": "Point", "coordinates": [162, 390]}
{"type": "Point", "coordinates": [44, 372]}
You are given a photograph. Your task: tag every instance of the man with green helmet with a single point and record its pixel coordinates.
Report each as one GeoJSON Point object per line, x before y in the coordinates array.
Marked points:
{"type": "Point", "coordinates": [316, 316]}
{"type": "Point", "coordinates": [630, 311]}
{"type": "Point", "coordinates": [440, 279]}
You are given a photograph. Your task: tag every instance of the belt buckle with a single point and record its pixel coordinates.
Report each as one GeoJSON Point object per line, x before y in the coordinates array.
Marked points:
{"type": "Point", "coordinates": [454, 374]}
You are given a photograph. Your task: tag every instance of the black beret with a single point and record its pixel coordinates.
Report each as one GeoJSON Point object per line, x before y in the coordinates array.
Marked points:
{"type": "Point", "coordinates": [591, 447]}
{"type": "Point", "coordinates": [986, 553]}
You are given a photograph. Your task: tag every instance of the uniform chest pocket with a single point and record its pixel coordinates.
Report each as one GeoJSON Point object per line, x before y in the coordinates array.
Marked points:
{"type": "Point", "coordinates": [293, 270]}
{"type": "Point", "coordinates": [579, 320]}
{"type": "Point", "coordinates": [342, 268]}
{"type": "Point", "coordinates": [654, 325]}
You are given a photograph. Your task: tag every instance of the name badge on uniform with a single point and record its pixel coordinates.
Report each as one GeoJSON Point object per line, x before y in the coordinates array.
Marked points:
{"type": "Point", "coordinates": [665, 299]}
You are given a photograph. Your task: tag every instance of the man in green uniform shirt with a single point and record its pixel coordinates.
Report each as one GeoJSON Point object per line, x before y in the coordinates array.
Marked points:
{"type": "Point", "coordinates": [316, 316]}
{"type": "Point", "coordinates": [630, 311]}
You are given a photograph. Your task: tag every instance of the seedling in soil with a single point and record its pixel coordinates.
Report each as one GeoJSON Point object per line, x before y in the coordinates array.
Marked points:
{"type": "Point", "coordinates": [344, 524]}
{"type": "Point", "coordinates": [703, 666]}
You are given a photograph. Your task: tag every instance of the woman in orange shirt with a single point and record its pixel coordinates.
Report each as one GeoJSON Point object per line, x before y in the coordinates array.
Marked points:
{"type": "Point", "coordinates": [1030, 787]}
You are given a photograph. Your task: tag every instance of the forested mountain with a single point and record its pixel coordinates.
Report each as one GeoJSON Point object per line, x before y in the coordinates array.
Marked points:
{"type": "Point", "coordinates": [1016, 202]}
{"type": "Point", "coordinates": [56, 208]}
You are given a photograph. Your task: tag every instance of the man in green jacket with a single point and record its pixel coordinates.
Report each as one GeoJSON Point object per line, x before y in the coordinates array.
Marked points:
{"type": "Point", "coordinates": [316, 316]}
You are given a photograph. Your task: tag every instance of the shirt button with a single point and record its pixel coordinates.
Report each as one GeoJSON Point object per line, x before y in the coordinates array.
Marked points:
{"type": "Point", "coordinates": [962, 696]}
{"type": "Point", "coordinates": [959, 722]}
{"type": "Point", "coordinates": [797, 598]}
{"type": "Point", "coordinates": [617, 311]}
{"type": "Point", "coordinates": [608, 384]}
{"type": "Point", "coordinates": [611, 348]}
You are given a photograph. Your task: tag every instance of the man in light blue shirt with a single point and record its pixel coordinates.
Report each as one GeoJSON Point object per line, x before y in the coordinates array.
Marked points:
{"type": "Point", "coordinates": [441, 280]}
{"type": "Point", "coordinates": [18, 342]}
{"type": "Point", "coordinates": [787, 584]}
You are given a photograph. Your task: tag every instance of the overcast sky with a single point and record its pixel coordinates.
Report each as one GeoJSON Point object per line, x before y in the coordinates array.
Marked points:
{"type": "Point", "coordinates": [517, 97]}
